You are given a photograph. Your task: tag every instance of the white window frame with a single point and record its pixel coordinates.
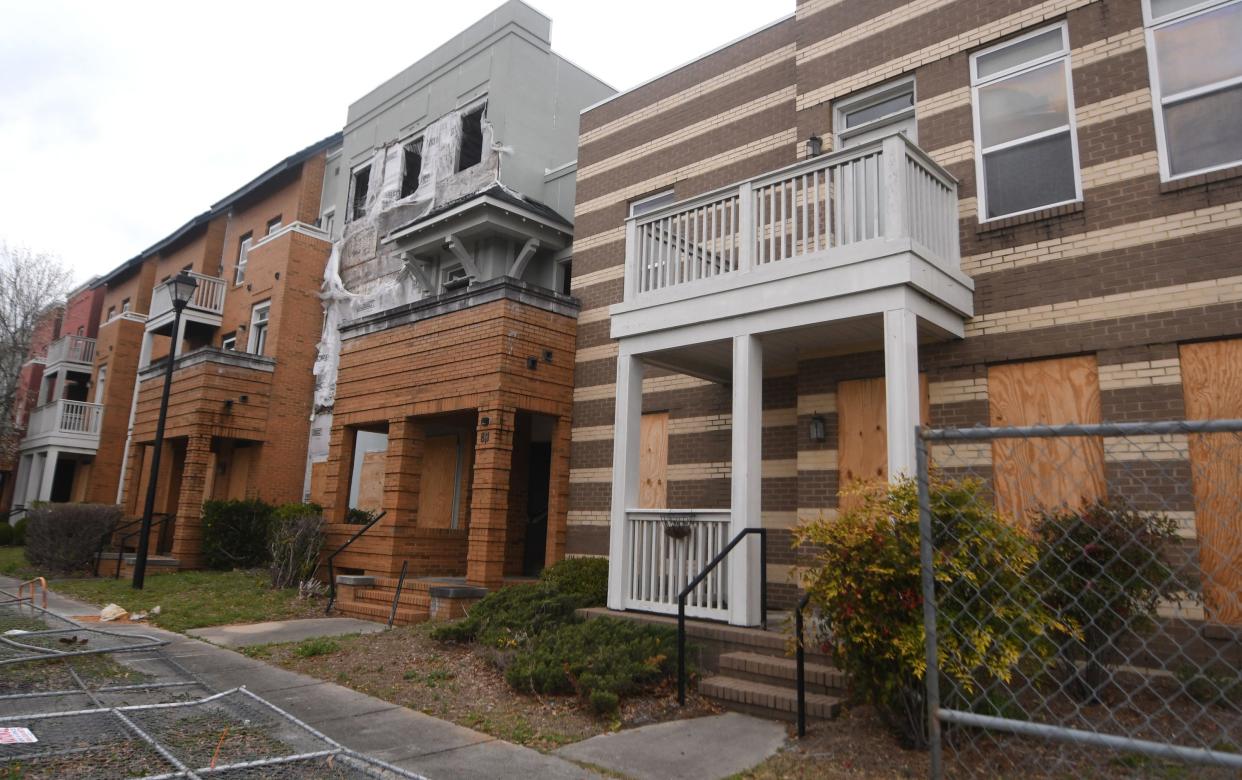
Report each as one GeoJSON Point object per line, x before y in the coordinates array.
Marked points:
{"type": "Point", "coordinates": [258, 336]}
{"type": "Point", "coordinates": [636, 206]}
{"type": "Point", "coordinates": [101, 382]}
{"type": "Point", "coordinates": [868, 98]}
{"type": "Point", "coordinates": [243, 257]}
{"type": "Point", "coordinates": [229, 343]}
{"type": "Point", "coordinates": [418, 144]}
{"type": "Point", "coordinates": [274, 224]}
{"type": "Point", "coordinates": [1159, 100]}
{"type": "Point", "coordinates": [1072, 121]}
{"type": "Point", "coordinates": [326, 220]}
{"type": "Point", "coordinates": [352, 190]}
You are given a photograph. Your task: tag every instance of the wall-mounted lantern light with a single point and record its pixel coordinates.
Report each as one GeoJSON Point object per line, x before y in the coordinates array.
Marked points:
{"type": "Point", "coordinates": [818, 431]}
{"type": "Point", "coordinates": [814, 146]}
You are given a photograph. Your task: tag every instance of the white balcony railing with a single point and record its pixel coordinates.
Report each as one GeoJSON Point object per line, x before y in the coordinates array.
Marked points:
{"type": "Point", "coordinates": [65, 417]}
{"type": "Point", "coordinates": [884, 189]}
{"type": "Point", "coordinates": [71, 349]}
{"type": "Point", "coordinates": [208, 297]}
{"type": "Point", "coordinates": [668, 548]}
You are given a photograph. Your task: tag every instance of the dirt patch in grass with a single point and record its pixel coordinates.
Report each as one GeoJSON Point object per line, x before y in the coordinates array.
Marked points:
{"type": "Point", "coordinates": [462, 683]}
{"type": "Point", "coordinates": [855, 745]}
{"type": "Point", "coordinates": [196, 599]}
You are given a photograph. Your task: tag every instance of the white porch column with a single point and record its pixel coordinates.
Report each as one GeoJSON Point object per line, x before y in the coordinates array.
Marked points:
{"type": "Point", "coordinates": [747, 482]}
{"type": "Point", "coordinates": [175, 348]}
{"type": "Point", "coordinates": [49, 474]}
{"type": "Point", "coordinates": [21, 479]}
{"type": "Point", "coordinates": [37, 460]}
{"type": "Point", "coordinates": [901, 386]}
{"type": "Point", "coordinates": [627, 421]}
{"type": "Point", "coordinates": [144, 355]}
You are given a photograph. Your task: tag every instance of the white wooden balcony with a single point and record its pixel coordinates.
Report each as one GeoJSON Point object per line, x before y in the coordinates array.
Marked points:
{"type": "Point", "coordinates": [205, 307]}
{"type": "Point", "coordinates": [64, 424]}
{"type": "Point", "coordinates": [870, 217]}
{"type": "Point", "coordinates": [669, 548]}
{"type": "Point", "coordinates": [78, 352]}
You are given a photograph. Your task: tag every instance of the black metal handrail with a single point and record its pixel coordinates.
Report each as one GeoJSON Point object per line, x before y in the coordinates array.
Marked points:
{"type": "Point", "coordinates": [111, 534]}
{"type": "Point", "coordinates": [396, 597]}
{"type": "Point", "coordinates": [339, 550]}
{"type": "Point", "coordinates": [800, 656]}
{"type": "Point", "coordinates": [694, 583]}
{"type": "Point", "coordinates": [7, 517]}
{"type": "Point", "coordinates": [159, 520]}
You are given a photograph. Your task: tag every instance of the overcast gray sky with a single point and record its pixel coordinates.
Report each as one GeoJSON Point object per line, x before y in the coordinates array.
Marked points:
{"type": "Point", "coordinates": [121, 120]}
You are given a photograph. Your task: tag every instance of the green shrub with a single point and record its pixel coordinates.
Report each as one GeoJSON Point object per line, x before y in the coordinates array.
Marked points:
{"type": "Point", "coordinates": [600, 660]}
{"type": "Point", "coordinates": [866, 582]}
{"type": "Point", "coordinates": [64, 538]}
{"type": "Point", "coordinates": [295, 539]}
{"type": "Point", "coordinates": [19, 532]}
{"type": "Point", "coordinates": [585, 577]}
{"type": "Point", "coordinates": [6, 534]}
{"type": "Point", "coordinates": [356, 516]}
{"type": "Point", "coordinates": [510, 616]}
{"type": "Point", "coordinates": [1102, 569]}
{"type": "Point", "coordinates": [235, 534]}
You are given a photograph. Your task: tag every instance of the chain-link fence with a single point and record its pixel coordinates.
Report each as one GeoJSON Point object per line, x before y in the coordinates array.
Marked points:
{"type": "Point", "coordinates": [90, 702]}
{"type": "Point", "coordinates": [1087, 609]}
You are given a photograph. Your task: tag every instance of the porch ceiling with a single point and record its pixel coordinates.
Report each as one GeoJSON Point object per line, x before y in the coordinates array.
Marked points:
{"type": "Point", "coordinates": [782, 350]}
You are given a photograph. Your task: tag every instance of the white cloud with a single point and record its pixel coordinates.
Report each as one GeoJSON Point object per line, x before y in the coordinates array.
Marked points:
{"type": "Point", "coordinates": [120, 121]}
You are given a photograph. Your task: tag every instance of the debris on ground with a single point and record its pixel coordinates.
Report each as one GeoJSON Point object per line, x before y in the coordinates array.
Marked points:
{"type": "Point", "coordinates": [112, 612]}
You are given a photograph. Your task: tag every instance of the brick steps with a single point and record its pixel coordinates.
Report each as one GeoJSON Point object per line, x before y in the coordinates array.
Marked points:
{"type": "Point", "coordinates": [765, 700]}
{"type": "Point", "coordinates": [378, 610]}
{"type": "Point", "coordinates": [772, 670]}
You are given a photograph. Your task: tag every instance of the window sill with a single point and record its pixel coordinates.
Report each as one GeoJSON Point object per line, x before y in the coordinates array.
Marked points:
{"type": "Point", "coordinates": [1031, 216]}
{"type": "Point", "coordinates": [1200, 180]}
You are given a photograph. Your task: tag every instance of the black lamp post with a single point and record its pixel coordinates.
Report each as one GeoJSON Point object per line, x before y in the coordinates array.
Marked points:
{"type": "Point", "coordinates": [181, 289]}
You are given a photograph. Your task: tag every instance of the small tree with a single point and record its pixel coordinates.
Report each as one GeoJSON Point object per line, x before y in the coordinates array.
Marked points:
{"type": "Point", "coordinates": [295, 540]}
{"type": "Point", "coordinates": [867, 583]}
{"type": "Point", "coordinates": [31, 284]}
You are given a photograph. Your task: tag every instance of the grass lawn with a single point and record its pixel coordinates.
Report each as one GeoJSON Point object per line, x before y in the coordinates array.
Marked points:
{"type": "Point", "coordinates": [195, 599]}
{"type": "Point", "coordinates": [13, 563]}
{"type": "Point", "coordinates": [462, 683]}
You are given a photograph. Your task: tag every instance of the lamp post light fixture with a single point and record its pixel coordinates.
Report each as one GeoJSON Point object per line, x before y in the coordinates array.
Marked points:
{"type": "Point", "coordinates": [181, 290]}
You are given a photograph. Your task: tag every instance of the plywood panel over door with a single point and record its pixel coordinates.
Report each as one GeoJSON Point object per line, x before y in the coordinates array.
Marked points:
{"type": "Point", "coordinates": [653, 461]}
{"type": "Point", "coordinates": [371, 481]}
{"type": "Point", "coordinates": [319, 483]}
{"type": "Point", "coordinates": [1212, 385]}
{"type": "Point", "coordinates": [1032, 473]}
{"type": "Point", "coordinates": [439, 477]}
{"type": "Point", "coordinates": [862, 425]}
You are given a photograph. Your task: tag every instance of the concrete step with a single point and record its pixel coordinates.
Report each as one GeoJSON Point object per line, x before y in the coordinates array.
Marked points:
{"type": "Point", "coordinates": [768, 701]}
{"type": "Point", "coordinates": [379, 612]}
{"type": "Point", "coordinates": [782, 671]}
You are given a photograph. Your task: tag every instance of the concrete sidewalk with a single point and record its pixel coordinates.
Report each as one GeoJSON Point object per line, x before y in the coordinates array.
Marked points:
{"type": "Point", "coordinates": [250, 634]}
{"type": "Point", "coordinates": [429, 746]}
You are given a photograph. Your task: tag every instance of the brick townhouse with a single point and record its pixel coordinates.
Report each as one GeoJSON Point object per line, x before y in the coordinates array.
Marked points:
{"type": "Point", "coordinates": [238, 417]}
{"type": "Point", "coordinates": [872, 213]}
{"type": "Point", "coordinates": [445, 376]}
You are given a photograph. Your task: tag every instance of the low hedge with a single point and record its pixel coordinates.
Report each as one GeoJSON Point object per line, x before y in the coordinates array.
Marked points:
{"type": "Point", "coordinates": [63, 538]}
{"type": "Point", "coordinates": [585, 577]}
{"type": "Point", "coordinates": [511, 616]}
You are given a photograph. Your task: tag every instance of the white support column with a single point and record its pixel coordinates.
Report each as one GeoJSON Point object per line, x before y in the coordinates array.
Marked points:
{"type": "Point", "coordinates": [625, 451]}
{"type": "Point", "coordinates": [144, 355]}
{"type": "Point", "coordinates": [36, 474]}
{"type": "Point", "coordinates": [175, 348]}
{"type": "Point", "coordinates": [21, 479]}
{"type": "Point", "coordinates": [901, 386]}
{"type": "Point", "coordinates": [49, 474]}
{"type": "Point", "coordinates": [747, 482]}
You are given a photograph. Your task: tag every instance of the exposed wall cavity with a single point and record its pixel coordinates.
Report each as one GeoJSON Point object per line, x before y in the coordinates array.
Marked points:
{"type": "Point", "coordinates": [362, 276]}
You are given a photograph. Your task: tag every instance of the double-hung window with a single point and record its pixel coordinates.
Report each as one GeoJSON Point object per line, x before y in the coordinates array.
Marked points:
{"type": "Point", "coordinates": [1026, 146]}
{"type": "Point", "coordinates": [258, 327]}
{"type": "Point", "coordinates": [243, 255]}
{"type": "Point", "coordinates": [874, 113]}
{"type": "Point", "coordinates": [1194, 54]}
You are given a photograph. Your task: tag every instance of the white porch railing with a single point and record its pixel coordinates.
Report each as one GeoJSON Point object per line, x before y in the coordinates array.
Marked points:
{"type": "Point", "coordinates": [65, 417]}
{"type": "Point", "coordinates": [668, 548]}
{"type": "Point", "coordinates": [208, 297]}
{"type": "Point", "coordinates": [885, 189]}
{"type": "Point", "coordinates": [71, 349]}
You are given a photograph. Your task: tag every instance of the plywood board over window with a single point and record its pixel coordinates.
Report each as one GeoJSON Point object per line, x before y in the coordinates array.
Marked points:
{"type": "Point", "coordinates": [862, 423]}
{"type": "Point", "coordinates": [438, 480]}
{"type": "Point", "coordinates": [1030, 474]}
{"type": "Point", "coordinates": [653, 461]}
{"type": "Point", "coordinates": [371, 481]}
{"type": "Point", "coordinates": [1212, 386]}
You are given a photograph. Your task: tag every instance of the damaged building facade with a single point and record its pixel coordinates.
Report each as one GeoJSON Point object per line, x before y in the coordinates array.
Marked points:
{"type": "Point", "coordinates": [444, 380]}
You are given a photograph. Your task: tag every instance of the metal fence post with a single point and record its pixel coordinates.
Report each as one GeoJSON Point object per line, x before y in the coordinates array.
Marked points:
{"type": "Point", "coordinates": [926, 562]}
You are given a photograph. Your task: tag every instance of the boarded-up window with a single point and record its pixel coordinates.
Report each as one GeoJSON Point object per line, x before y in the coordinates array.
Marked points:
{"type": "Point", "coordinates": [1212, 385]}
{"type": "Point", "coordinates": [653, 461]}
{"type": "Point", "coordinates": [371, 482]}
{"type": "Point", "coordinates": [862, 424]}
{"type": "Point", "coordinates": [436, 505]}
{"type": "Point", "coordinates": [1032, 473]}
{"type": "Point", "coordinates": [319, 483]}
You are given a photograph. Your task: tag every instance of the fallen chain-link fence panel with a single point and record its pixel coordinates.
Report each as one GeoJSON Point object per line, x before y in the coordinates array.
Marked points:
{"type": "Point", "coordinates": [1083, 599]}
{"type": "Point", "coordinates": [126, 709]}
{"type": "Point", "coordinates": [31, 633]}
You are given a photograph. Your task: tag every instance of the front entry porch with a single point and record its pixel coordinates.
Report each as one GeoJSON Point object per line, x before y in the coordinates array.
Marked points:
{"type": "Point", "coordinates": [843, 257]}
